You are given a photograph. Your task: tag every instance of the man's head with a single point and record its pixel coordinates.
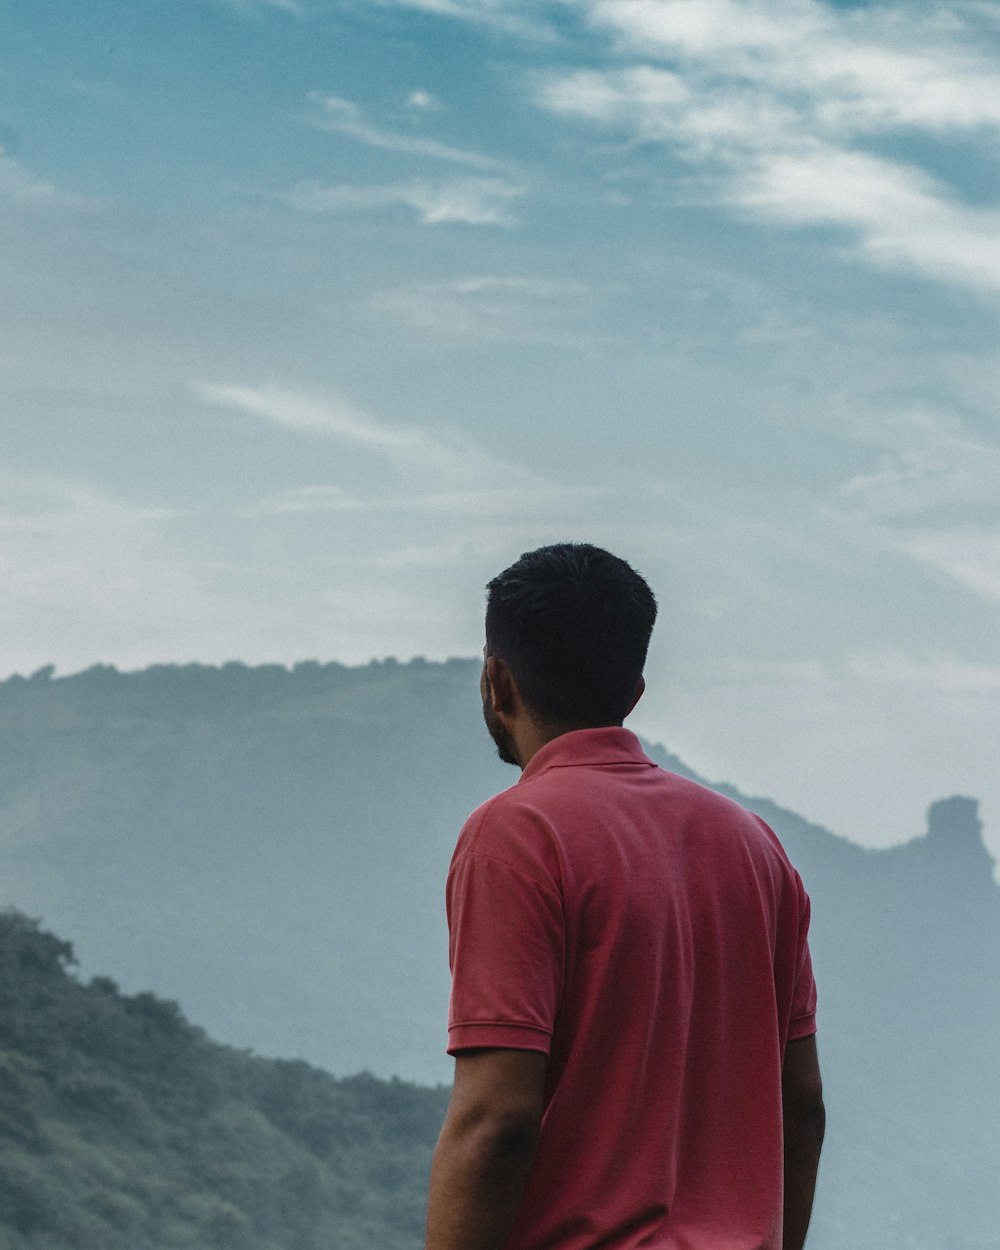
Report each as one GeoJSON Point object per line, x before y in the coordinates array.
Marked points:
{"type": "Point", "coordinates": [571, 623]}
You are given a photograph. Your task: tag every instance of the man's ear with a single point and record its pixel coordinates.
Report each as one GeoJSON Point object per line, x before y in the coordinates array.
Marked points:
{"type": "Point", "coordinates": [500, 685]}
{"type": "Point", "coordinates": [640, 688]}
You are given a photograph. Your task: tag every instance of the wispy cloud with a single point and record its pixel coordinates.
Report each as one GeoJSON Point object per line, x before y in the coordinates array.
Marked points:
{"type": "Point", "coordinates": [333, 113]}
{"type": "Point", "coordinates": [520, 18]}
{"type": "Point", "coordinates": [414, 450]}
{"type": "Point", "coordinates": [969, 556]}
{"type": "Point", "coordinates": [934, 463]}
{"type": "Point", "coordinates": [331, 419]}
{"type": "Point", "coordinates": [903, 218]}
{"type": "Point", "coordinates": [777, 104]}
{"type": "Point", "coordinates": [437, 477]}
{"type": "Point", "coordinates": [19, 184]}
{"type": "Point", "coordinates": [492, 308]}
{"type": "Point", "coordinates": [251, 6]}
{"type": "Point", "coordinates": [68, 552]}
{"type": "Point", "coordinates": [923, 670]}
{"type": "Point", "coordinates": [40, 505]}
{"type": "Point", "coordinates": [917, 498]}
{"type": "Point", "coordinates": [423, 101]}
{"type": "Point", "coordinates": [857, 69]}
{"type": "Point", "coordinates": [445, 201]}
{"type": "Point", "coordinates": [477, 504]}
{"type": "Point", "coordinates": [313, 499]}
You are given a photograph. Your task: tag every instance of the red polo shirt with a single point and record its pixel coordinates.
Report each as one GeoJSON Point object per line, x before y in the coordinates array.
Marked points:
{"type": "Point", "coordinates": [649, 936]}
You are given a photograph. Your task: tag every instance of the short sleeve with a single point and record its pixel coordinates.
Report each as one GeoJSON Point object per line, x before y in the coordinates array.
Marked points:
{"type": "Point", "coordinates": [507, 953]}
{"type": "Point", "coordinates": [802, 1022]}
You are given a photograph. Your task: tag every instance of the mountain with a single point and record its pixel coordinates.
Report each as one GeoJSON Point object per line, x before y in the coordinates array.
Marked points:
{"type": "Point", "coordinates": [269, 847]}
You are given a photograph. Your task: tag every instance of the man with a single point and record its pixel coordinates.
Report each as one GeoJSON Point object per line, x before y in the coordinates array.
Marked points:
{"type": "Point", "coordinates": [632, 1009]}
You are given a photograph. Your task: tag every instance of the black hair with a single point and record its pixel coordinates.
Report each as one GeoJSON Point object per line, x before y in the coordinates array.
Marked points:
{"type": "Point", "coordinates": [572, 622]}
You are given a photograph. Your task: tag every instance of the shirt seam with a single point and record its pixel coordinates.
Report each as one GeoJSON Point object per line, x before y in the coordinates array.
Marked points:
{"type": "Point", "coordinates": [495, 859]}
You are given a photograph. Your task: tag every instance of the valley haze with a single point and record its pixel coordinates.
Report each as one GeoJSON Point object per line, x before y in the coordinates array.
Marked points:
{"type": "Point", "coordinates": [268, 846]}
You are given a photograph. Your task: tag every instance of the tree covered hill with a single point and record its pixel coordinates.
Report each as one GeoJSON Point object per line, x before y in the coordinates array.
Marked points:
{"type": "Point", "coordinates": [122, 1127]}
{"type": "Point", "coordinates": [269, 847]}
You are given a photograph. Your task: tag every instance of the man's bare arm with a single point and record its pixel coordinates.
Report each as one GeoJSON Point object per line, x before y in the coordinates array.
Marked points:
{"type": "Point", "coordinates": [804, 1122]}
{"type": "Point", "coordinates": [485, 1150]}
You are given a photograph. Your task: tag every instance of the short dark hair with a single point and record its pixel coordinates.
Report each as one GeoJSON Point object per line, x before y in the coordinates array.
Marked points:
{"type": "Point", "coordinates": [573, 623]}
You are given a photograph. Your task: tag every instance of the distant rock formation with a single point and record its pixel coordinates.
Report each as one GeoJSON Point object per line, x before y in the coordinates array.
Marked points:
{"type": "Point", "coordinates": [955, 830]}
{"type": "Point", "coordinates": [955, 818]}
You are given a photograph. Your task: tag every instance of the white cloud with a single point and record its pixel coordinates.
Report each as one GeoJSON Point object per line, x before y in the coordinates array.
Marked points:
{"type": "Point", "coordinates": [312, 499]}
{"type": "Point", "coordinates": [511, 17]}
{"type": "Point", "coordinates": [925, 670]}
{"type": "Point", "coordinates": [934, 464]}
{"type": "Point", "coordinates": [436, 480]}
{"type": "Point", "coordinates": [282, 6]}
{"type": "Point", "coordinates": [903, 218]}
{"type": "Point", "coordinates": [413, 450]}
{"type": "Point", "coordinates": [423, 101]}
{"type": "Point", "coordinates": [660, 106]}
{"type": "Point", "coordinates": [479, 503]}
{"type": "Point", "coordinates": [68, 553]}
{"type": "Point", "coordinates": [40, 505]}
{"type": "Point", "coordinates": [918, 497]}
{"type": "Point", "coordinates": [464, 201]}
{"type": "Point", "coordinates": [344, 117]}
{"type": "Point", "coordinates": [969, 556]}
{"type": "Point", "coordinates": [507, 309]}
{"type": "Point", "coordinates": [771, 100]}
{"type": "Point", "coordinates": [19, 184]}
{"type": "Point", "coordinates": [331, 419]}
{"type": "Point", "coordinates": [697, 26]}
{"type": "Point", "coordinates": [866, 68]}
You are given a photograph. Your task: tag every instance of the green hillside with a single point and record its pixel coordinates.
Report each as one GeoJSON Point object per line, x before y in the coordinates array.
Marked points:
{"type": "Point", "coordinates": [123, 1128]}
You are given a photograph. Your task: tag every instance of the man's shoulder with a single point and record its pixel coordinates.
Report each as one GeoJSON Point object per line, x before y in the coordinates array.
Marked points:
{"type": "Point", "coordinates": [508, 810]}
{"type": "Point", "coordinates": [508, 830]}
{"type": "Point", "coordinates": [713, 811]}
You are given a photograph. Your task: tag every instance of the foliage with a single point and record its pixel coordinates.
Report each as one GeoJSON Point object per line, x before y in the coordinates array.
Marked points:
{"type": "Point", "coordinates": [122, 1127]}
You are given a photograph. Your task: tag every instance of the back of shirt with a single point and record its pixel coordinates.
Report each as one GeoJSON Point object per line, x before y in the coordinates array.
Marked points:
{"type": "Point", "coordinates": [650, 937]}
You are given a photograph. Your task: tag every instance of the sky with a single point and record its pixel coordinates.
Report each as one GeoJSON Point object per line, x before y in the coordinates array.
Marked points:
{"type": "Point", "coordinates": [314, 314]}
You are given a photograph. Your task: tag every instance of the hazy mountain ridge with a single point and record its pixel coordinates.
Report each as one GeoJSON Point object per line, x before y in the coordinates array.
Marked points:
{"type": "Point", "coordinates": [269, 846]}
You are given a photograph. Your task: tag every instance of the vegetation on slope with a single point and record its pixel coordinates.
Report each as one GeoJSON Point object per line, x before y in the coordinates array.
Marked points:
{"type": "Point", "coordinates": [122, 1127]}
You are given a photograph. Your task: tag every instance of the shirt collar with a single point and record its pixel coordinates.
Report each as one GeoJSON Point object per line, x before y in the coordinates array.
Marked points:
{"type": "Point", "coordinates": [610, 745]}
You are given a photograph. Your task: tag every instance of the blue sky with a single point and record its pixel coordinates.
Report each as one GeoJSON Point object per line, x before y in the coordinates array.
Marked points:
{"type": "Point", "coordinates": [316, 314]}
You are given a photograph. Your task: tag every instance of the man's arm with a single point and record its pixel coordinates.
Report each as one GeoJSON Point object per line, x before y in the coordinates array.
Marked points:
{"type": "Point", "coordinates": [484, 1153]}
{"type": "Point", "coordinates": [804, 1123]}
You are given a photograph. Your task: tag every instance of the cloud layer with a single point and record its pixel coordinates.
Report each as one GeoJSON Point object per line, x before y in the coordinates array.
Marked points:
{"type": "Point", "coordinates": [441, 201]}
{"type": "Point", "coordinates": [803, 114]}
{"type": "Point", "coordinates": [340, 116]}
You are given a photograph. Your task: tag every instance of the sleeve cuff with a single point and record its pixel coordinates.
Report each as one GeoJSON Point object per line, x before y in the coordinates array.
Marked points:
{"type": "Point", "coordinates": [802, 1026]}
{"type": "Point", "coordinates": [497, 1036]}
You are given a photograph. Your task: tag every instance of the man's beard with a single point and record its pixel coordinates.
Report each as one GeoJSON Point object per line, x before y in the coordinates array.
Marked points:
{"type": "Point", "coordinates": [504, 742]}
